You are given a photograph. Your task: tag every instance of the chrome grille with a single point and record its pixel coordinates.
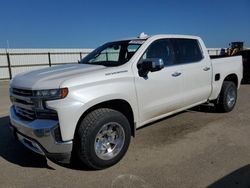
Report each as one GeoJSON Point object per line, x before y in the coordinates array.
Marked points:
{"type": "Point", "coordinates": [23, 105]}
{"type": "Point", "coordinates": [28, 107]}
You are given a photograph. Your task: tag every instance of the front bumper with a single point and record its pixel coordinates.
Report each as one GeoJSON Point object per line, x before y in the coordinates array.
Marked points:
{"type": "Point", "coordinates": [39, 136]}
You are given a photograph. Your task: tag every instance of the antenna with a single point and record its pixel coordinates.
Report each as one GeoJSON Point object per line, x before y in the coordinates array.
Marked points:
{"type": "Point", "coordinates": [8, 45]}
{"type": "Point", "coordinates": [143, 35]}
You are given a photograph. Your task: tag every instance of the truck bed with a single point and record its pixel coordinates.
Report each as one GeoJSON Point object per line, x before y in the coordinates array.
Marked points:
{"type": "Point", "coordinates": [222, 67]}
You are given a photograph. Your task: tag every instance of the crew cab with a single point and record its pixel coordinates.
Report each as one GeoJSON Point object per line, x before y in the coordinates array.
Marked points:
{"type": "Point", "coordinates": [91, 109]}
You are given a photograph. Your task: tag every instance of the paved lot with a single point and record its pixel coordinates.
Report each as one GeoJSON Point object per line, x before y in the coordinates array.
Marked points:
{"type": "Point", "coordinates": [196, 148]}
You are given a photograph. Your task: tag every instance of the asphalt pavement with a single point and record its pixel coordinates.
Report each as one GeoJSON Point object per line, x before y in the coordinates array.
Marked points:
{"type": "Point", "coordinates": [196, 148]}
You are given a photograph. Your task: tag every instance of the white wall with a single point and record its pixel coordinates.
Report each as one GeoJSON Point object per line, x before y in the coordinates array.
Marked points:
{"type": "Point", "coordinates": [23, 60]}
{"type": "Point", "coordinates": [215, 51]}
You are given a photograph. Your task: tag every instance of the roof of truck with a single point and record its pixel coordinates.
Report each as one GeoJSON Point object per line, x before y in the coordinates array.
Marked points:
{"type": "Point", "coordinates": [143, 36]}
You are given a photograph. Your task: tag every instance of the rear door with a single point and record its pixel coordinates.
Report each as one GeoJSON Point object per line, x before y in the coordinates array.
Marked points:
{"type": "Point", "coordinates": [196, 71]}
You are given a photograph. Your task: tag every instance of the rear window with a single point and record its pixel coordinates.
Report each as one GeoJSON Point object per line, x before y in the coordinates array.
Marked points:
{"type": "Point", "coordinates": [186, 51]}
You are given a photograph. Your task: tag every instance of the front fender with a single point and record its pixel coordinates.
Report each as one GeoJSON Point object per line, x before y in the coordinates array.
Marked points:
{"type": "Point", "coordinates": [80, 99]}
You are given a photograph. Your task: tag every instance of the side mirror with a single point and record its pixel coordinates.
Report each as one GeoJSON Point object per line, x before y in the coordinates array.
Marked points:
{"type": "Point", "coordinates": [149, 65]}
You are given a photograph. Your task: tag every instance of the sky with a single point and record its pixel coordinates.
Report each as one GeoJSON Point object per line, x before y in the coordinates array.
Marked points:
{"type": "Point", "coordinates": [89, 23]}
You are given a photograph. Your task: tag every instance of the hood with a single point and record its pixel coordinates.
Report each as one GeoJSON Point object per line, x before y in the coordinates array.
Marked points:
{"type": "Point", "coordinates": [52, 77]}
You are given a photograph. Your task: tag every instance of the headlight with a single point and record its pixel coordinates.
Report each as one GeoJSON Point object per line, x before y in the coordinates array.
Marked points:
{"type": "Point", "coordinates": [51, 94]}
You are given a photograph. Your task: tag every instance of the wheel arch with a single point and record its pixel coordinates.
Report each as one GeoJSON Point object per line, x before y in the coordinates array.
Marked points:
{"type": "Point", "coordinates": [233, 78]}
{"type": "Point", "coordinates": [120, 105]}
{"type": "Point", "coordinates": [217, 85]}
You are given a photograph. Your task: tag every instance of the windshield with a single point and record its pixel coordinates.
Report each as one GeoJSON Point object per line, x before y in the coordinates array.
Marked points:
{"type": "Point", "coordinates": [113, 53]}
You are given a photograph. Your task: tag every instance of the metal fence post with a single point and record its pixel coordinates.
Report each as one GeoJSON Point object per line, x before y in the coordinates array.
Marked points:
{"type": "Point", "coordinates": [80, 55]}
{"type": "Point", "coordinates": [49, 59]}
{"type": "Point", "coordinates": [9, 65]}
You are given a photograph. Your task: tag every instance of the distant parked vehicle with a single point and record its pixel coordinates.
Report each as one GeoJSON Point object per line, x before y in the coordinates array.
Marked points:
{"type": "Point", "coordinates": [246, 65]}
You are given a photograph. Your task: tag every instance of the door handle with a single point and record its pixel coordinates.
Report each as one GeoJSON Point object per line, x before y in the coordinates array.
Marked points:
{"type": "Point", "coordinates": [176, 74]}
{"type": "Point", "coordinates": [206, 68]}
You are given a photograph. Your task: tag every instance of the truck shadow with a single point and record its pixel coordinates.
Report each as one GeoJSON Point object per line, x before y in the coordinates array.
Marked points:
{"type": "Point", "coordinates": [239, 178]}
{"type": "Point", "coordinates": [207, 108]}
{"type": "Point", "coordinates": [13, 151]}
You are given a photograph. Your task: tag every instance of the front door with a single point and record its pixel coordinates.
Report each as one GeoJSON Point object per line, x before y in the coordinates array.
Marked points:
{"type": "Point", "coordinates": [161, 91]}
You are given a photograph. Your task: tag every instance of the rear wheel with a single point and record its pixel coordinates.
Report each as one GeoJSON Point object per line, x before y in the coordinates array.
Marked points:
{"type": "Point", "coordinates": [103, 138]}
{"type": "Point", "coordinates": [227, 98]}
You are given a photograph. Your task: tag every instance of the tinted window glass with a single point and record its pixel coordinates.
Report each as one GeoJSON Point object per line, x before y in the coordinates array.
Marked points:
{"type": "Point", "coordinates": [186, 50]}
{"type": "Point", "coordinates": [160, 49]}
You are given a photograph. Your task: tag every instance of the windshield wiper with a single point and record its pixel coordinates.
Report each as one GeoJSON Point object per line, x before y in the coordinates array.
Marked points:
{"type": "Point", "coordinates": [104, 63]}
{"type": "Point", "coordinates": [95, 63]}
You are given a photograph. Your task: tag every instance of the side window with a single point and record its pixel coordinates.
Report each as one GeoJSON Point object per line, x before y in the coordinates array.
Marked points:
{"type": "Point", "coordinates": [186, 51]}
{"type": "Point", "coordinates": [160, 49]}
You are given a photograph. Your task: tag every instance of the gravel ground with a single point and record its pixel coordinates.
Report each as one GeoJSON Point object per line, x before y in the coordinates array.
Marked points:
{"type": "Point", "coordinates": [196, 148]}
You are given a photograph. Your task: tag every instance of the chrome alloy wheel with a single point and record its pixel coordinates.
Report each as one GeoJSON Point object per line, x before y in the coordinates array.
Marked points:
{"type": "Point", "coordinates": [231, 97]}
{"type": "Point", "coordinates": [109, 141]}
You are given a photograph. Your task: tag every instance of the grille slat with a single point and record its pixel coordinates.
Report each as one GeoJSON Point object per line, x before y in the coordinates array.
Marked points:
{"type": "Point", "coordinates": [24, 102]}
{"type": "Point", "coordinates": [23, 106]}
{"type": "Point", "coordinates": [25, 113]}
{"type": "Point", "coordinates": [22, 92]}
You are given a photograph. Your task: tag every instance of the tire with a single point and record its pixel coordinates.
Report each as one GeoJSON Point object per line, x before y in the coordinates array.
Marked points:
{"type": "Point", "coordinates": [227, 98]}
{"type": "Point", "coordinates": [103, 138]}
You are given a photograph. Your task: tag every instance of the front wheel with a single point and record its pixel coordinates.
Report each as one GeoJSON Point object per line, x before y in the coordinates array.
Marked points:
{"type": "Point", "coordinates": [103, 138]}
{"type": "Point", "coordinates": [227, 98]}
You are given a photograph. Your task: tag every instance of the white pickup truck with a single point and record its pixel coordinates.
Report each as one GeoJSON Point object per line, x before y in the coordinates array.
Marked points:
{"type": "Point", "coordinates": [90, 110]}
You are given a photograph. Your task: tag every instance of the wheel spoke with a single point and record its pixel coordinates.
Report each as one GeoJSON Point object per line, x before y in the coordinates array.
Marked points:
{"type": "Point", "coordinates": [110, 128]}
{"type": "Point", "coordinates": [109, 148]}
{"type": "Point", "coordinates": [231, 97]}
{"type": "Point", "coordinates": [100, 147]}
{"type": "Point", "coordinates": [112, 138]}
